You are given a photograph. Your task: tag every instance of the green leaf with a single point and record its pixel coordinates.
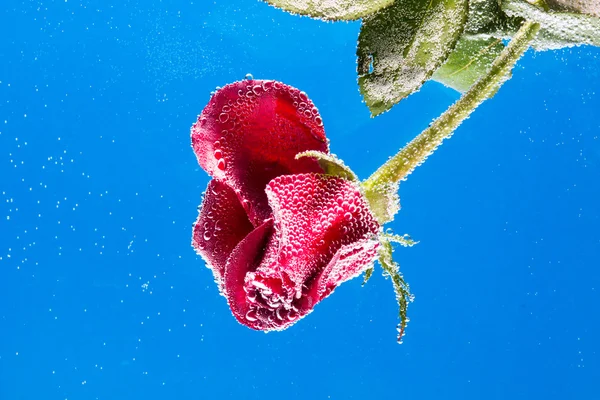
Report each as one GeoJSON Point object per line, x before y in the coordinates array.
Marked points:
{"type": "Point", "coordinates": [469, 61]}
{"type": "Point", "coordinates": [330, 164]}
{"type": "Point", "coordinates": [589, 7]}
{"type": "Point", "coordinates": [558, 29]}
{"type": "Point", "coordinates": [401, 288]}
{"type": "Point", "coordinates": [486, 18]}
{"type": "Point", "coordinates": [333, 10]}
{"type": "Point", "coordinates": [401, 46]}
{"type": "Point", "coordinates": [545, 40]}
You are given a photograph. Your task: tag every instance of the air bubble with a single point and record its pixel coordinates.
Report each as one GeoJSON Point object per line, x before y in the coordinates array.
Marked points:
{"type": "Point", "coordinates": [279, 313]}
{"type": "Point", "coordinates": [267, 85]}
{"type": "Point", "coordinates": [217, 226]}
{"type": "Point", "coordinates": [251, 315]}
{"type": "Point", "coordinates": [249, 77]}
{"type": "Point", "coordinates": [251, 296]}
{"type": "Point", "coordinates": [221, 164]}
{"type": "Point", "coordinates": [257, 89]}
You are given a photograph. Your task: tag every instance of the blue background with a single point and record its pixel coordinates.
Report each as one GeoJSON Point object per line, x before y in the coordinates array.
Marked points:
{"type": "Point", "coordinates": [102, 296]}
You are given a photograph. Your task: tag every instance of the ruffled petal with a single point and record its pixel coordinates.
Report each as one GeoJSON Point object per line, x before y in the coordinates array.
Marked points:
{"type": "Point", "coordinates": [256, 248]}
{"type": "Point", "coordinates": [222, 223]}
{"type": "Point", "coordinates": [250, 133]}
{"type": "Point", "coordinates": [347, 263]}
{"type": "Point", "coordinates": [324, 234]}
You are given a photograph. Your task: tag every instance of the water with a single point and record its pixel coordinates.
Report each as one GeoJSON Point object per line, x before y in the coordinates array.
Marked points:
{"type": "Point", "coordinates": [102, 296]}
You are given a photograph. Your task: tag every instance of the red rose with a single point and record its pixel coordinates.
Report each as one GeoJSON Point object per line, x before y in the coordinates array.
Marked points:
{"type": "Point", "coordinates": [278, 233]}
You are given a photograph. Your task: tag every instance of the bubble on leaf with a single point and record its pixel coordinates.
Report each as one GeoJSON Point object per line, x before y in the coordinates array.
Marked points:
{"type": "Point", "coordinates": [469, 61]}
{"type": "Point", "coordinates": [558, 29]}
{"type": "Point", "coordinates": [406, 43]}
{"type": "Point", "coordinates": [589, 7]}
{"type": "Point", "coordinates": [331, 9]}
{"type": "Point", "coordinates": [486, 19]}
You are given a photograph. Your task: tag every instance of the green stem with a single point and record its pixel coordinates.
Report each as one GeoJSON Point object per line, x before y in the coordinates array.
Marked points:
{"type": "Point", "coordinates": [416, 152]}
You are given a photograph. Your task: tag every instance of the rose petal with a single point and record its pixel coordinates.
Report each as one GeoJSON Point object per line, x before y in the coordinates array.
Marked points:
{"type": "Point", "coordinates": [316, 215]}
{"type": "Point", "coordinates": [250, 133]}
{"type": "Point", "coordinates": [257, 247]}
{"type": "Point", "coordinates": [349, 262]}
{"type": "Point", "coordinates": [324, 235]}
{"type": "Point", "coordinates": [222, 223]}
